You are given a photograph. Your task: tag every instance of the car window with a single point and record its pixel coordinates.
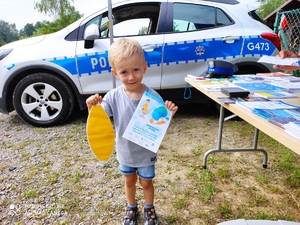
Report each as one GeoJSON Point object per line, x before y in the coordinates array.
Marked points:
{"type": "Point", "coordinates": [223, 19]}
{"type": "Point", "coordinates": [189, 17]}
{"type": "Point", "coordinates": [133, 19]}
{"type": "Point", "coordinates": [132, 27]}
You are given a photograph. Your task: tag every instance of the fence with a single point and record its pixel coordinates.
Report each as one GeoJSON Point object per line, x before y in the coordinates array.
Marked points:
{"type": "Point", "coordinates": [287, 26]}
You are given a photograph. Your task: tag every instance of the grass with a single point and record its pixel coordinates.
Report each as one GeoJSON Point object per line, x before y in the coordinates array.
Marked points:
{"type": "Point", "coordinates": [57, 172]}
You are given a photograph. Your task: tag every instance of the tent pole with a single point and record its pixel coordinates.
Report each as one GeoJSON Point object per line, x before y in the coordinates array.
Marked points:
{"type": "Point", "coordinates": [111, 32]}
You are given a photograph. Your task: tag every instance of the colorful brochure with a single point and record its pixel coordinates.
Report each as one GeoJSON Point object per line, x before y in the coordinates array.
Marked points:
{"type": "Point", "coordinates": [260, 86]}
{"type": "Point", "coordinates": [275, 104]}
{"type": "Point", "coordinates": [275, 94]}
{"type": "Point", "coordinates": [149, 122]}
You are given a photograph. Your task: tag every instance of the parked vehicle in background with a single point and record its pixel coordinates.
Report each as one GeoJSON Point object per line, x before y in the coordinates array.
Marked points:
{"type": "Point", "coordinates": [44, 78]}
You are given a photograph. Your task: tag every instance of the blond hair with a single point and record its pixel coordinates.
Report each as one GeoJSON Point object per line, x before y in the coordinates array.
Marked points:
{"type": "Point", "coordinates": [124, 49]}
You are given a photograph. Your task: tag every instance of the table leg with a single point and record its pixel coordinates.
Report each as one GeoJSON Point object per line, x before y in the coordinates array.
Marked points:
{"type": "Point", "coordinates": [219, 144]}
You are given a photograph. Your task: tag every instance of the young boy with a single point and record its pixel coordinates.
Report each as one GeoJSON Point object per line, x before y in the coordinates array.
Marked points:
{"type": "Point", "coordinates": [128, 64]}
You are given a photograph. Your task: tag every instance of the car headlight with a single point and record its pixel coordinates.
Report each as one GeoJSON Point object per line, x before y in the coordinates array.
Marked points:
{"type": "Point", "coordinates": [4, 53]}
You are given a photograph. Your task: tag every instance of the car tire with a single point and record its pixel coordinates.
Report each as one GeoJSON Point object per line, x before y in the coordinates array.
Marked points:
{"type": "Point", "coordinates": [43, 100]}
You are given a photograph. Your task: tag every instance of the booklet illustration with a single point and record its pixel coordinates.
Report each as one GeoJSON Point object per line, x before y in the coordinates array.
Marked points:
{"type": "Point", "coordinates": [149, 122]}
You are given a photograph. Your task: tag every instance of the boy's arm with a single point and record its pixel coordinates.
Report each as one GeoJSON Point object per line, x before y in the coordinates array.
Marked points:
{"type": "Point", "coordinates": [93, 100]}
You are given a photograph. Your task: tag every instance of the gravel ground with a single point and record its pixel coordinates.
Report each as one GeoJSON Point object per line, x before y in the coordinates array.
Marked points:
{"type": "Point", "coordinates": [50, 176]}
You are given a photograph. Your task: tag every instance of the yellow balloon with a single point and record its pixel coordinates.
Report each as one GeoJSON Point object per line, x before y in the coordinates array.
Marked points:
{"type": "Point", "coordinates": [100, 133]}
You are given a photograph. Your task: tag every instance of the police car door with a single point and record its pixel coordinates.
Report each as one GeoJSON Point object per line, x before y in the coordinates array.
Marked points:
{"type": "Point", "coordinates": [137, 21]}
{"type": "Point", "coordinates": [197, 33]}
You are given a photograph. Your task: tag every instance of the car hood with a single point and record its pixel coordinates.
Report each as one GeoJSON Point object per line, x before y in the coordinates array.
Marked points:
{"type": "Point", "coordinates": [27, 41]}
{"type": "Point", "coordinates": [37, 39]}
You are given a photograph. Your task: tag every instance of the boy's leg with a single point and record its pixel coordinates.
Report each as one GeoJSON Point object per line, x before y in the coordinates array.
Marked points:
{"type": "Point", "coordinates": [130, 178]}
{"type": "Point", "coordinates": [146, 175]}
{"type": "Point", "coordinates": [130, 188]}
{"type": "Point", "coordinates": [150, 217]}
{"type": "Point", "coordinates": [131, 215]}
{"type": "Point", "coordinates": [148, 190]}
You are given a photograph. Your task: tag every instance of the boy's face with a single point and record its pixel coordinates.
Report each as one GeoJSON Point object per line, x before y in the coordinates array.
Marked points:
{"type": "Point", "coordinates": [130, 71]}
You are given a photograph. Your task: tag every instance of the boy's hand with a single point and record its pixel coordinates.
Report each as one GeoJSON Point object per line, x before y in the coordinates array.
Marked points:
{"type": "Point", "coordinates": [171, 106]}
{"type": "Point", "coordinates": [93, 100]}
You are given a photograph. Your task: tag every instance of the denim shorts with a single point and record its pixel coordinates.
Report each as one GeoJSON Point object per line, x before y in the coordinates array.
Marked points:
{"type": "Point", "coordinates": [146, 173]}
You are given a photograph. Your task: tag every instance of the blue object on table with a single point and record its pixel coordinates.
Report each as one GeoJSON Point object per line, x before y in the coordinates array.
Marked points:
{"type": "Point", "coordinates": [220, 69]}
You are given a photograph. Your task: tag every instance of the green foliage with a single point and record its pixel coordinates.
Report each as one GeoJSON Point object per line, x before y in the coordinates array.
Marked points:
{"type": "Point", "coordinates": [8, 32]}
{"type": "Point", "coordinates": [143, 30]}
{"type": "Point", "coordinates": [60, 23]}
{"type": "Point", "coordinates": [1, 42]}
{"type": "Point", "coordinates": [60, 9]}
{"type": "Point", "coordinates": [224, 210]}
{"type": "Point", "coordinates": [56, 8]}
{"type": "Point", "coordinates": [268, 6]}
{"type": "Point", "coordinates": [28, 30]}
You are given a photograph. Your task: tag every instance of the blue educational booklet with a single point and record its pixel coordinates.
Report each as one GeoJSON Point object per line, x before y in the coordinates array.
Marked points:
{"type": "Point", "coordinates": [279, 117]}
{"type": "Point", "coordinates": [149, 122]}
{"type": "Point", "coordinates": [275, 94]}
{"type": "Point", "coordinates": [267, 104]}
{"type": "Point", "coordinates": [259, 86]}
{"type": "Point", "coordinates": [278, 113]}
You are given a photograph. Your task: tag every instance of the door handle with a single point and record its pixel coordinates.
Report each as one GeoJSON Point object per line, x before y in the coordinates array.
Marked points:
{"type": "Point", "coordinates": [230, 39]}
{"type": "Point", "coordinates": [149, 47]}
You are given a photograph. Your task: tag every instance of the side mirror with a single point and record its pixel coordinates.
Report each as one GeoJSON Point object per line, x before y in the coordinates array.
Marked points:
{"type": "Point", "coordinates": [90, 34]}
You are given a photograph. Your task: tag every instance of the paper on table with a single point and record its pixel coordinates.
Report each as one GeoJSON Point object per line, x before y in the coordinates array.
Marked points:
{"type": "Point", "coordinates": [275, 94]}
{"type": "Point", "coordinates": [293, 128]}
{"type": "Point", "coordinates": [279, 61]}
{"type": "Point", "coordinates": [266, 105]}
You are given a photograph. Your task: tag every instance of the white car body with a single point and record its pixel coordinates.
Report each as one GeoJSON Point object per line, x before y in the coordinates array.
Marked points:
{"type": "Point", "coordinates": [171, 53]}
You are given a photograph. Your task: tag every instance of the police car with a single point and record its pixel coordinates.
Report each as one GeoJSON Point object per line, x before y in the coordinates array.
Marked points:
{"type": "Point", "coordinates": [44, 78]}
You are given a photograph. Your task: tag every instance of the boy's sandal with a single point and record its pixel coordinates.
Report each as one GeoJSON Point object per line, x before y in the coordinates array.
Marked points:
{"type": "Point", "coordinates": [131, 215]}
{"type": "Point", "coordinates": [150, 216]}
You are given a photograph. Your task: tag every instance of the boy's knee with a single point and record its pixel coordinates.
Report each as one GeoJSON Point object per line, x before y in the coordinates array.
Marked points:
{"type": "Point", "coordinates": [146, 183]}
{"type": "Point", "coordinates": [130, 180]}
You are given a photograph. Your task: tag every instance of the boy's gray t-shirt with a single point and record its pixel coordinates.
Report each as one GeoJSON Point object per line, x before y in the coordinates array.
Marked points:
{"type": "Point", "coordinates": [118, 105]}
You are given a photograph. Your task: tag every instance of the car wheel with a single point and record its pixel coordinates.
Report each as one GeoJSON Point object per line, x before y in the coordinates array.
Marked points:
{"type": "Point", "coordinates": [43, 100]}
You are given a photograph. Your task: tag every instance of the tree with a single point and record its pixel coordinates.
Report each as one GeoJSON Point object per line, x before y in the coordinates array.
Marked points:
{"type": "Point", "coordinates": [28, 30]}
{"type": "Point", "coordinates": [143, 30]}
{"type": "Point", "coordinates": [56, 8]}
{"type": "Point", "coordinates": [268, 6]}
{"type": "Point", "coordinates": [49, 27]}
{"type": "Point", "coordinates": [39, 24]}
{"type": "Point", "coordinates": [1, 42]}
{"type": "Point", "coordinates": [62, 10]}
{"type": "Point", "coordinates": [8, 32]}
